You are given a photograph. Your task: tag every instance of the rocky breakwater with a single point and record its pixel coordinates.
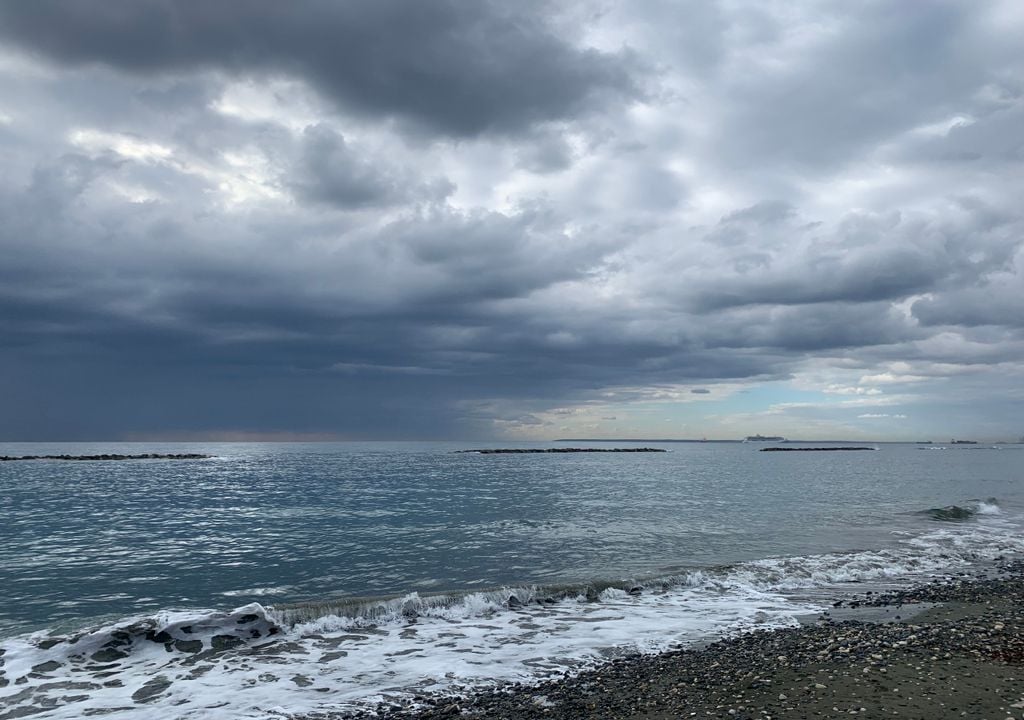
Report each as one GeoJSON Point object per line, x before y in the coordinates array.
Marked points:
{"type": "Point", "coordinates": [143, 456]}
{"type": "Point", "coordinates": [814, 449]}
{"type": "Point", "coordinates": [961, 658]}
{"type": "Point", "coordinates": [526, 451]}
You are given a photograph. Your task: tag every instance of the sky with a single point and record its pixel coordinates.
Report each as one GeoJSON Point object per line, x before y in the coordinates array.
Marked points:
{"type": "Point", "coordinates": [395, 219]}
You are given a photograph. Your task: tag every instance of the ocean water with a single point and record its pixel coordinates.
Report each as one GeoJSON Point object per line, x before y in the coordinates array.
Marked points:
{"type": "Point", "coordinates": [283, 578]}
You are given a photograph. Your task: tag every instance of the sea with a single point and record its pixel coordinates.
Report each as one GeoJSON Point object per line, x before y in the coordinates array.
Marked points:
{"type": "Point", "coordinates": [274, 580]}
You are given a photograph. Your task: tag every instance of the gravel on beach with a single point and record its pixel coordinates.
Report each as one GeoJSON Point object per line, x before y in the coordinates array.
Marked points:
{"type": "Point", "coordinates": [963, 657]}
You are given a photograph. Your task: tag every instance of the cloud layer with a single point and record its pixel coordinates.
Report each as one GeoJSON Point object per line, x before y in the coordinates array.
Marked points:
{"type": "Point", "coordinates": [398, 219]}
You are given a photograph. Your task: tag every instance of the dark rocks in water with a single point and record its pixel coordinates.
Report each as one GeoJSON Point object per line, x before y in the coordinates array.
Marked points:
{"type": "Point", "coordinates": [514, 602]}
{"type": "Point", "coordinates": [409, 610]}
{"type": "Point", "coordinates": [814, 449]}
{"type": "Point", "coordinates": [107, 655]}
{"type": "Point", "coordinates": [533, 451]}
{"type": "Point", "coordinates": [188, 646]}
{"type": "Point", "coordinates": [247, 618]}
{"type": "Point", "coordinates": [225, 642]}
{"type": "Point", "coordinates": [951, 512]}
{"type": "Point", "coordinates": [151, 689]}
{"type": "Point", "coordinates": [163, 637]}
{"type": "Point", "coordinates": [636, 590]}
{"type": "Point", "coordinates": [144, 456]}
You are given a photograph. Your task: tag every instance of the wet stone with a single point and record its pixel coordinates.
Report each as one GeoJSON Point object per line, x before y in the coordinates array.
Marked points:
{"type": "Point", "coordinates": [332, 656]}
{"type": "Point", "coordinates": [188, 646]}
{"type": "Point", "coordinates": [277, 648]}
{"type": "Point", "coordinates": [45, 667]}
{"type": "Point", "coordinates": [67, 685]}
{"type": "Point", "coordinates": [151, 690]}
{"type": "Point", "coordinates": [67, 699]}
{"type": "Point", "coordinates": [225, 642]}
{"type": "Point", "coordinates": [24, 712]}
{"type": "Point", "coordinates": [302, 680]}
{"type": "Point", "coordinates": [190, 660]}
{"type": "Point", "coordinates": [107, 655]}
{"type": "Point", "coordinates": [248, 618]}
{"type": "Point", "coordinates": [338, 640]}
{"type": "Point", "coordinates": [162, 637]}
{"type": "Point", "coordinates": [18, 696]}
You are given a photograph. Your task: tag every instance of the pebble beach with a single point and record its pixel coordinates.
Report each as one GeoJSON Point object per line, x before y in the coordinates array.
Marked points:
{"type": "Point", "coordinates": [949, 649]}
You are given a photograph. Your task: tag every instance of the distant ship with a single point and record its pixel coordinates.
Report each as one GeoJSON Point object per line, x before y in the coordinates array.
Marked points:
{"type": "Point", "coordinates": [962, 442]}
{"type": "Point", "coordinates": [764, 438]}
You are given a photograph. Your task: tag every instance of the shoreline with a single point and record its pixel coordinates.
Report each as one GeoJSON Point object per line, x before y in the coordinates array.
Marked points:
{"type": "Point", "coordinates": [946, 649]}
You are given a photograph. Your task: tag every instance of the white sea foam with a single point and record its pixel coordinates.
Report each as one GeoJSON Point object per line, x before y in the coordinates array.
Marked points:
{"type": "Point", "coordinates": [988, 507]}
{"type": "Point", "coordinates": [258, 662]}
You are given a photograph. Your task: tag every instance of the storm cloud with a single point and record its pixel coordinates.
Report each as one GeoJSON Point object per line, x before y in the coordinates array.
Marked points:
{"type": "Point", "coordinates": [459, 68]}
{"type": "Point", "coordinates": [417, 220]}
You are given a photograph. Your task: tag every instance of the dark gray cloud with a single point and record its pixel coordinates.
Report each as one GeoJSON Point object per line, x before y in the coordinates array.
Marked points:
{"type": "Point", "coordinates": [998, 302]}
{"type": "Point", "coordinates": [327, 171]}
{"type": "Point", "coordinates": [869, 72]}
{"type": "Point", "coordinates": [456, 68]}
{"type": "Point", "coordinates": [448, 220]}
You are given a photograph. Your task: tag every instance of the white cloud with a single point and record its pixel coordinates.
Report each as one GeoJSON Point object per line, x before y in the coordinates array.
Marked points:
{"type": "Point", "coordinates": [851, 390]}
{"type": "Point", "coordinates": [128, 146]}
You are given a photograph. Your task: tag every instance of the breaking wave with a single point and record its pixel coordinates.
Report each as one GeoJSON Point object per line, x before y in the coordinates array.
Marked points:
{"type": "Point", "coordinates": [273, 661]}
{"type": "Point", "coordinates": [958, 513]}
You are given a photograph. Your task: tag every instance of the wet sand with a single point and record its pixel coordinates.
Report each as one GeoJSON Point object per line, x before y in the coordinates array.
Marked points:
{"type": "Point", "coordinates": [951, 649]}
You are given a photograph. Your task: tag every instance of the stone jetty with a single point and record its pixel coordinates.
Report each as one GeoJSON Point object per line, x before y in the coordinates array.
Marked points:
{"type": "Point", "coordinates": [526, 451]}
{"type": "Point", "coordinates": [143, 456]}
{"type": "Point", "coordinates": [814, 449]}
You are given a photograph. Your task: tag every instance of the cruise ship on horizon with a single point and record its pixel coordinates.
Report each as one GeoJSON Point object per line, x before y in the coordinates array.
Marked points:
{"type": "Point", "coordinates": [764, 438]}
